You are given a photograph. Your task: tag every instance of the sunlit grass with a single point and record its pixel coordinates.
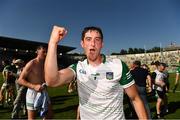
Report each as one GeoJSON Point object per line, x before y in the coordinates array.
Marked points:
{"type": "Point", "coordinates": [65, 104]}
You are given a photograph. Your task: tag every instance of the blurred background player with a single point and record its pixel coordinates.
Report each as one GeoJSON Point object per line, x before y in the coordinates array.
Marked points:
{"type": "Point", "coordinates": [177, 76]}
{"type": "Point", "coordinates": [20, 101]}
{"type": "Point", "coordinates": [141, 76]}
{"type": "Point", "coordinates": [9, 77]}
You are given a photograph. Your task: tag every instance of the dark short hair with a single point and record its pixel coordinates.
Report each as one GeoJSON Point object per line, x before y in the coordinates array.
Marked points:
{"type": "Point", "coordinates": [137, 62]}
{"type": "Point", "coordinates": [41, 47]}
{"type": "Point", "coordinates": [156, 63]}
{"type": "Point", "coordinates": [164, 64]}
{"type": "Point", "coordinates": [86, 29]}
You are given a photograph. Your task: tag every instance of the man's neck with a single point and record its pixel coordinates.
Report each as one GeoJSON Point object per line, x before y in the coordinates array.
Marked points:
{"type": "Point", "coordinates": [40, 59]}
{"type": "Point", "coordinates": [96, 62]}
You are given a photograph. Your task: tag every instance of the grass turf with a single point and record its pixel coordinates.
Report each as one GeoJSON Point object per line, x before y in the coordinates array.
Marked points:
{"type": "Point", "coordinates": [65, 104]}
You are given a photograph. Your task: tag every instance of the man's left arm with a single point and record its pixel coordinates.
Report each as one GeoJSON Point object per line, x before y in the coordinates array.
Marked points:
{"type": "Point", "coordinates": [139, 107]}
{"type": "Point", "coordinates": [149, 80]}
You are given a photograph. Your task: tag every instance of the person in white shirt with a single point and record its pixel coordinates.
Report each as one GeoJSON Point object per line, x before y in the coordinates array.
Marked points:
{"type": "Point", "coordinates": [159, 86]}
{"type": "Point", "coordinates": [101, 82]}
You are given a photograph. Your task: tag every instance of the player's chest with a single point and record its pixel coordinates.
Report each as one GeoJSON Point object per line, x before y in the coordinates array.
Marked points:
{"type": "Point", "coordinates": [103, 73]}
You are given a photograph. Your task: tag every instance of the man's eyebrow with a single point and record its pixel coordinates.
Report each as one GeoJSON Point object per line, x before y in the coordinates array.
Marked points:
{"type": "Point", "coordinates": [87, 36]}
{"type": "Point", "coordinates": [99, 37]}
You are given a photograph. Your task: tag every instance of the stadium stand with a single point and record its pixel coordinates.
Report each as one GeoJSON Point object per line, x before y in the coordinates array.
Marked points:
{"type": "Point", "coordinates": [24, 49]}
{"type": "Point", "coordinates": [168, 57]}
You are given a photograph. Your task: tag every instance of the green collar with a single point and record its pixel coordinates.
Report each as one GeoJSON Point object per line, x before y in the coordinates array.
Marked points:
{"type": "Point", "coordinates": [103, 58]}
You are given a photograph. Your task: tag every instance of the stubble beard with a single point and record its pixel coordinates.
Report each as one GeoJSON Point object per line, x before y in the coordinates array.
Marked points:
{"type": "Point", "coordinates": [93, 55]}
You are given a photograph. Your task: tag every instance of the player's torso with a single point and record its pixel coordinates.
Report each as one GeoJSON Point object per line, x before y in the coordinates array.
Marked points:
{"type": "Point", "coordinates": [99, 88]}
{"type": "Point", "coordinates": [103, 78]}
{"type": "Point", "coordinates": [36, 74]}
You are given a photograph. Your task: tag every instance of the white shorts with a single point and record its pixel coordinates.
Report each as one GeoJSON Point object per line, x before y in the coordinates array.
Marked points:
{"type": "Point", "coordinates": [30, 97]}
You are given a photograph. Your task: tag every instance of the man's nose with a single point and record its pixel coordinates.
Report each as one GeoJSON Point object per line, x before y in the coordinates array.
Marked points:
{"type": "Point", "coordinates": [92, 42]}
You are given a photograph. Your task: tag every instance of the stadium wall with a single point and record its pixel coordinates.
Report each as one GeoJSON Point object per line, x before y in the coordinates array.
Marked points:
{"type": "Point", "coordinates": [168, 57]}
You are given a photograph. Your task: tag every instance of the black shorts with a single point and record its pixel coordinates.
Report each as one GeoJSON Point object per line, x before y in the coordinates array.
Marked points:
{"type": "Point", "coordinates": [160, 94]}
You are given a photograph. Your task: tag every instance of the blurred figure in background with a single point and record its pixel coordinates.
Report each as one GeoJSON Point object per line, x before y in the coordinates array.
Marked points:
{"type": "Point", "coordinates": [177, 76]}
{"type": "Point", "coordinates": [148, 80]}
{"type": "Point", "coordinates": [140, 76]}
{"type": "Point", "coordinates": [9, 77]}
{"type": "Point", "coordinates": [71, 88]}
{"type": "Point", "coordinates": [166, 89]}
{"type": "Point", "coordinates": [20, 101]}
{"type": "Point", "coordinates": [159, 83]}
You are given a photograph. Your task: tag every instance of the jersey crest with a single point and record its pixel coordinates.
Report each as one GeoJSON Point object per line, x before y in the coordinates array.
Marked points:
{"type": "Point", "coordinates": [109, 75]}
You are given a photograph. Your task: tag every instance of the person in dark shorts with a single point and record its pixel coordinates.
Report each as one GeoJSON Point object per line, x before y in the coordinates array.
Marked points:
{"type": "Point", "coordinates": [159, 87]}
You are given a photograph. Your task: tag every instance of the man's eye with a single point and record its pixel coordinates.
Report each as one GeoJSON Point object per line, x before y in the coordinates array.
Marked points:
{"type": "Point", "coordinates": [88, 39]}
{"type": "Point", "coordinates": [98, 39]}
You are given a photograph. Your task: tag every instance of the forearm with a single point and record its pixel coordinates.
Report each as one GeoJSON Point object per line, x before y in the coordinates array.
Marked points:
{"type": "Point", "coordinates": [6, 76]}
{"type": "Point", "coordinates": [51, 67]}
{"type": "Point", "coordinates": [25, 83]}
{"type": "Point", "coordinates": [137, 102]}
{"type": "Point", "coordinates": [140, 108]}
{"type": "Point", "coordinates": [149, 81]}
{"type": "Point", "coordinates": [177, 78]}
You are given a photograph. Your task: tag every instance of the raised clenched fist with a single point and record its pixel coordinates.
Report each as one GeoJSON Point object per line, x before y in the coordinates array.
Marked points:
{"type": "Point", "coordinates": [57, 34]}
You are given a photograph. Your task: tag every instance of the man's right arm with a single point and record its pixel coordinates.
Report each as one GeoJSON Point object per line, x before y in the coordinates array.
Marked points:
{"type": "Point", "coordinates": [138, 104]}
{"type": "Point", "coordinates": [6, 74]}
{"type": "Point", "coordinates": [23, 78]}
{"type": "Point", "coordinates": [149, 82]}
{"type": "Point", "coordinates": [53, 77]}
{"type": "Point", "coordinates": [177, 78]}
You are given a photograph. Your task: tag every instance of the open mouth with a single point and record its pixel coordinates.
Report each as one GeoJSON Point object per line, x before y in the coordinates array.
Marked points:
{"type": "Point", "coordinates": [92, 50]}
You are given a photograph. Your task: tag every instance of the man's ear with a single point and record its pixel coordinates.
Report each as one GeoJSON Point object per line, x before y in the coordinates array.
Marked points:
{"type": "Point", "coordinates": [82, 43]}
{"type": "Point", "coordinates": [102, 44]}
